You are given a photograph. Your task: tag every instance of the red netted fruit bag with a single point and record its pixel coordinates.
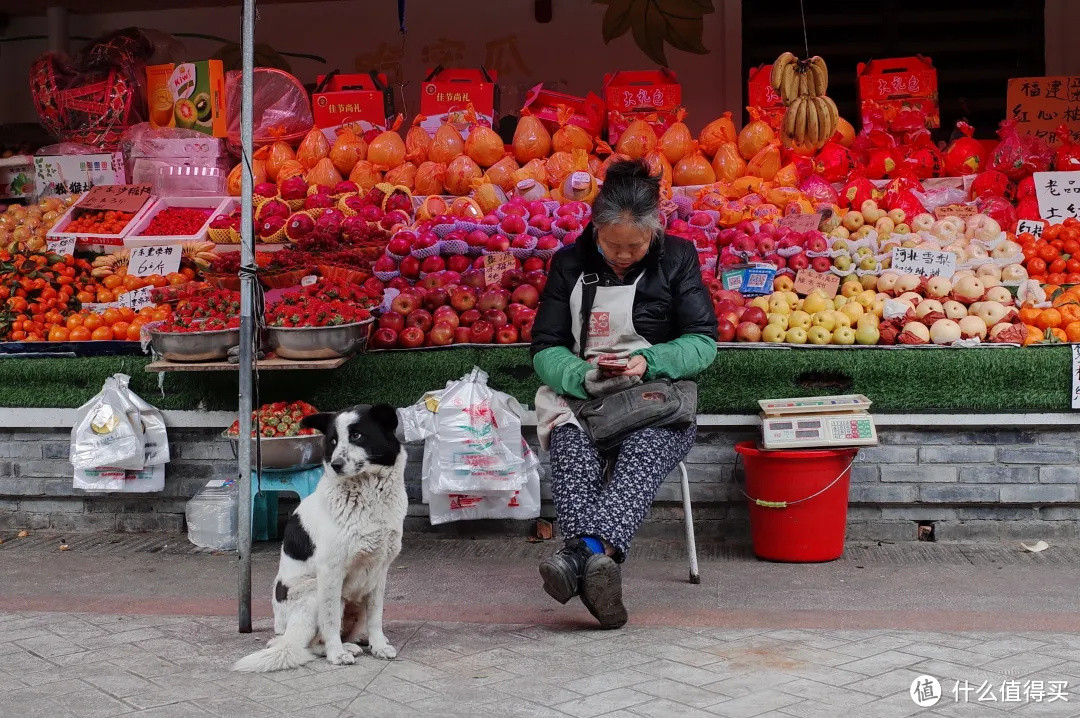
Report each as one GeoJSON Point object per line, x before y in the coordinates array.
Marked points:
{"type": "Point", "coordinates": [990, 182]}
{"type": "Point", "coordinates": [1019, 155]}
{"type": "Point", "coordinates": [1067, 156]}
{"type": "Point", "coordinates": [965, 155]}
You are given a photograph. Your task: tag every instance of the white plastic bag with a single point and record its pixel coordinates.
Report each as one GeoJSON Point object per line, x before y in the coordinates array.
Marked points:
{"type": "Point", "coordinates": [211, 516]}
{"type": "Point", "coordinates": [155, 436]}
{"type": "Point", "coordinates": [521, 504]}
{"type": "Point", "coordinates": [129, 481]}
{"type": "Point", "coordinates": [472, 437]}
{"type": "Point", "coordinates": [108, 431]}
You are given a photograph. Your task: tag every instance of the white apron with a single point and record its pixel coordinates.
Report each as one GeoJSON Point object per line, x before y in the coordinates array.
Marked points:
{"type": "Point", "coordinates": [611, 333]}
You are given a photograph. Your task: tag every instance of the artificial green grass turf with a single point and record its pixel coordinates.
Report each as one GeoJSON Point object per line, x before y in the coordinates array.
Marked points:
{"type": "Point", "coordinates": [1006, 380]}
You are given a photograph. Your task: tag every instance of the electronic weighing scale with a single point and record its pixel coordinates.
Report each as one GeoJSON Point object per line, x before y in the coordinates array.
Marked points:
{"type": "Point", "coordinates": [819, 422]}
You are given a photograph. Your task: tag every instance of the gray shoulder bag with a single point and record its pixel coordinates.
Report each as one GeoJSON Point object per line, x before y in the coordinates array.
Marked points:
{"type": "Point", "coordinates": [610, 419]}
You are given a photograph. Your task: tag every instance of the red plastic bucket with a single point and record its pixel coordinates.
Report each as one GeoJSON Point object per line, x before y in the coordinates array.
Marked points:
{"type": "Point", "coordinates": [798, 502]}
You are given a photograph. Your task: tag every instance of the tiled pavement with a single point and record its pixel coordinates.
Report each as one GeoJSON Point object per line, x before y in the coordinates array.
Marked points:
{"type": "Point", "coordinates": [56, 665]}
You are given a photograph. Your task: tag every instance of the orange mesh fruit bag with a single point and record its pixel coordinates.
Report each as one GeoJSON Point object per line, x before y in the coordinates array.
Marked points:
{"type": "Point", "coordinates": [533, 169]}
{"type": "Point", "coordinates": [569, 137]}
{"type": "Point", "coordinates": [727, 163]}
{"type": "Point", "coordinates": [417, 142]}
{"type": "Point", "coordinates": [430, 177]}
{"type": "Point", "coordinates": [532, 141]}
{"type": "Point", "coordinates": [279, 154]}
{"type": "Point", "coordinates": [659, 166]}
{"type": "Point", "coordinates": [258, 176]}
{"type": "Point", "coordinates": [693, 169]}
{"type": "Point", "coordinates": [323, 173]}
{"type": "Point", "coordinates": [404, 175]}
{"type": "Point", "coordinates": [460, 173]}
{"type": "Point", "coordinates": [290, 168]}
{"type": "Point", "coordinates": [676, 140]}
{"type": "Point", "coordinates": [637, 140]}
{"type": "Point", "coordinates": [502, 172]}
{"type": "Point", "coordinates": [313, 148]}
{"type": "Point", "coordinates": [488, 195]}
{"type": "Point", "coordinates": [756, 135]}
{"type": "Point", "coordinates": [716, 133]}
{"type": "Point", "coordinates": [447, 145]}
{"type": "Point", "coordinates": [366, 175]}
{"type": "Point", "coordinates": [483, 145]}
{"type": "Point", "coordinates": [348, 149]}
{"type": "Point", "coordinates": [766, 162]}
{"type": "Point", "coordinates": [387, 149]}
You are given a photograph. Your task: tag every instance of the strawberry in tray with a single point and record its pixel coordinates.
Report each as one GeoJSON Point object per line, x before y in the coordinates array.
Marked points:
{"type": "Point", "coordinates": [277, 420]}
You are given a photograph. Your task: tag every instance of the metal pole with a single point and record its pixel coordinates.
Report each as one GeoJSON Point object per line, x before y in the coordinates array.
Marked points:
{"type": "Point", "coordinates": [247, 320]}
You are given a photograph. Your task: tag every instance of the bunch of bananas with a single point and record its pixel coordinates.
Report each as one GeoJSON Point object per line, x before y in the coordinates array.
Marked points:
{"type": "Point", "coordinates": [811, 117]}
{"type": "Point", "coordinates": [201, 254]}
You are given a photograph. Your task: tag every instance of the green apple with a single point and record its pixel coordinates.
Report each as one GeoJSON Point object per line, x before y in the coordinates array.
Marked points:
{"type": "Point", "coordinates": [868, 263]}
{"type": "Point", "coordinates": [818, 335]}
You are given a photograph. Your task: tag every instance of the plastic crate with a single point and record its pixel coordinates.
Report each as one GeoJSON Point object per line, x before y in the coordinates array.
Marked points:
{"type": "Point", "coordinates": [216, 205]}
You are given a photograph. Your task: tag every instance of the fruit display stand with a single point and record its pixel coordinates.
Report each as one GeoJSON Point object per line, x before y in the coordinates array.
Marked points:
{"type": "Point", "coordinates": [271, 364]}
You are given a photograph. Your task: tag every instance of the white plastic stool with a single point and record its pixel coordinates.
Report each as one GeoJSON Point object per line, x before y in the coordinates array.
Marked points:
{"type": "Point", "coordinates": [691, 544]}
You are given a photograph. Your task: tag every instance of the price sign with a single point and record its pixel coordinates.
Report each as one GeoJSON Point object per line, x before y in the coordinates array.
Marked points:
{"type": "Point", "coordinates": [63, 246]}
{"type": "Point", "coordinates": [496, 265]}
{"type": "Point", "coordinates": [924, 262]}
{"type": "Point", "coordinates": [807, 280]}
{"type": "Point", "coordinates": [1076, 376]}
{"type": "Point", "coordinates": [136, 299]}
{"type": "Point", "coordinates": [119, 197]}
{"type": "Point", "coordinates": [1039, 105]}
{"type": "Point", "coordinates": [99, 306]}
{"type": "Point", "coordinates": [801, 222]}
{"type": "Point", "coordinates": [162, 260]}
{"type": "Point", "coordinates": [963, 211]}
{"type": "Point", "coordinates": [1034, 227]}
{"type": "Point", "coordinates": [1058, 194]}
{"type": "Point", "coordinates": [308, 280]}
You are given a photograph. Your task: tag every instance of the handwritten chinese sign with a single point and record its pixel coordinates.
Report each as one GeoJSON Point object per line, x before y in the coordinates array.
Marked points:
{"type": "Point", "coordinates": [801, 222]}
{"type": "Point", "coordinates": [807, 280]}
{"type": "Point", "coordinates": [923, 262]}
{"type": "Point", "coordinates": [146, 261]}
{"type": "Point", "coordinates": [1058, 194]}
{"type": "Point", "coordinates": [62, 246]}
{"type": "Point", "coordinates": [955, 210]}
{"type": "Point", "coordinates": [136, 299]}
{"type": "Point", "coordinates": [496, 265]}
{"type": "Point", "coordinates": [1034, 227]}
{"type": "Point", "coordinates": [1076, 376]}
{"type": "Point", "coordinates": [1039, 105]}
{"type": "Point", "coordinates": [118, 197]}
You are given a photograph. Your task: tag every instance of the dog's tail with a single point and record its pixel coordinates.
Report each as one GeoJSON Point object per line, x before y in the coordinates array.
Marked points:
{"type": "Point", "coordinates": [277, 657]}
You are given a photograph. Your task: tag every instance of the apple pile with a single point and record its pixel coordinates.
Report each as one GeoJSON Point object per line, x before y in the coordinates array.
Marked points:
{"type": "Point", "coordinates": [448, 307]}
{"type": "Point", "coordinates": [787, 250]}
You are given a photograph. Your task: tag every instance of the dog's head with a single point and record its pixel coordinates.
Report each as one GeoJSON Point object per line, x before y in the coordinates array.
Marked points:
{"type": "Point", "coordinates": [358, 440]}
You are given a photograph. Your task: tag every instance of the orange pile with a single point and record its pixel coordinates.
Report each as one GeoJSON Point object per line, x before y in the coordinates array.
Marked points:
{"type": "Point", "coordinates": [120, 323]}
{"type": "Point", "coordinates": [98, 222]}
{"type": "Point", "coordinates": [1055, 257]}
{"type": "Point", "coordinates": [1057, 323]}
{"type": "Point", "coordinates": [120, 282]}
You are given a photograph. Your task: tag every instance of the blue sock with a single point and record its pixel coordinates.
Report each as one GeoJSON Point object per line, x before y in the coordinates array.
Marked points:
{"type": "Point", "coordinates": [595, 545]}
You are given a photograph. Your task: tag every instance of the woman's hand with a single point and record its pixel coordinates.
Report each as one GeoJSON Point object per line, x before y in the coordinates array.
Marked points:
{"type": "Point", "coordinates": [637, 366]}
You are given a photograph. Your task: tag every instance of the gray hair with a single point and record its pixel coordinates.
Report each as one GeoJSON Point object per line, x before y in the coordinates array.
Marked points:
{"type": "Point", "coordinates": [630, 195]}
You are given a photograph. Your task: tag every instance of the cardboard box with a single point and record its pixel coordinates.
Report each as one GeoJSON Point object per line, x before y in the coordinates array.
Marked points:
{"type": "Point", "coordinates": [760, 94]}
{"type": "Point", "coordinates": [588, 112]}
{"type": "Point", "coordinates": [445, 96]}
{"type": "Point", "coordinates": [190, 95]}
{"type": "Point", "coordinates": [75, 174]}
{"type": "Point", "coordinates": [17, 177]}
{"type": "Point", "coordinates": [630, 95]}
{"type": "Point", "coordinates": [901, 83]}
{"type": "Point", "coordinates": [363, 100]}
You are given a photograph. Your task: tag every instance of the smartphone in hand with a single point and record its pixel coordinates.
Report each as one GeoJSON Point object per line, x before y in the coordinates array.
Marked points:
{"type": "Point", "coordinates": [613, 365]}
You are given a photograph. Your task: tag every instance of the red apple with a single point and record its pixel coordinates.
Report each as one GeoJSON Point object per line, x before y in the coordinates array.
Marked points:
{"type": "Point", "coordinates": [490, 220]}
{"type": "Point", "coordinates": [821, 264]}
{"type": "Point", "coordinates": [458, 263]}
{"type": "Point", "coordinates": [410, 267]}
{"type": "Point", "coordinates": [426, 240]}
{"type": "Point", "coordinates": [411, 337]}
{"type": "Point", "coordinates": [401, 243]}
{"type": "Point", "coordinates": [470, 317]}
{"type": "Point", "coordinates": [526, 294]}
{"type": "Point", "coordinates": [493, 298]}
{"type": "Point", "coordinates": [748, 332]}
{"type": "Point", "coordinates": [384, 338]}
{"type": "Point", "coordinates": [755, 315]}
{"type": "Point", "coordinates": [374, 286]}
{"type": "Point", "coordinates": [473, 278]}
{"type": "Point", "coordinates": [725, 331]}
{"type": "Point", "coordinates": [421, 318]}
{"type": "Point", "coordinates": [431, 265]}
{"type": "Point", "coordinates": [436, 298]}
{"type": "Point", "coordinates": [394, 321]}
{"type": "Point", "coordinates": [512, 278]}
{"type": "Point", "coordinates": [462, 335]}
{"type": "Point", "coordinates": [446, 315]}
{"type": "Point", "coordinates": [540, 222]}
{"type": "Point", "coordinates": [441, 335]}
{"type": "Point", "coordinates": [526, 331]}
{"type": "Point", "coordinates": [517, 209]}
{"type": "Point", "coordinates": [568, 224]}
{"type": "Point", "coordinates": [399, 283]}
{"type": "Point", "coordinates": [496, 317]}
{"type": "Point", "coordinates": [537, 278]}
{"type": "Point", "coordinates": [405, 303]}
{"type": "Point", "coordinates": [817, 243]}
{"type": "Point", "coordinates": [523, 317]}
{"type": "Point", "coordinates": [513, 224]}
{"type": "Point", "coordinates": [532, 264]}
{"type": "Point", "coordinates": [499, 243]}
{"type": "Point", "coordinates": [798, 261]}
{"type": "Point", "coordinates": [536, 208]}
{"type": "Point", "coordinates": [482, 332]}
{"type": "Point", "coordinates": [507, 334]}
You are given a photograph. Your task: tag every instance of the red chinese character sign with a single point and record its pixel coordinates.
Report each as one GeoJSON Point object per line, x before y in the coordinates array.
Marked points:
{"type": "Point", "coordinates": [1040, 105]}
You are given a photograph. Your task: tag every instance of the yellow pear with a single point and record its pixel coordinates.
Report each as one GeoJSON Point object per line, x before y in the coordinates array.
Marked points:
{"type": "Point", "coordinates": [841, 319]}
{"type": "Point", "coordinates": [853, 310]}
{"type": "Point", "coordinates": [816, 302]}
{"type": "Point", "coordinates": [866, 298]}
{"type": "Point", "coordinates": [778, 305]}
{"type": "Point", "coordinates": [851, 287]}
{"type": "Point", "coordinates": [761, 303]}
{"type": "Point", "coordinates": [779, 319]}
{"type": "Point", "coordinates": [800, 319]}
{"type": "Point", "coordinates": [825, 320]}
{"type": "Point", "coordinates": [773, 334]}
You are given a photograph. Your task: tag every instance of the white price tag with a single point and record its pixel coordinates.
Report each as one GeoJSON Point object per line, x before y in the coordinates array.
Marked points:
{"type": "Point", "coordinates": [923, 262]}
{"type": "Point", "coordinates": [136, 299]}
{"type": "Point", "coordinates": [147, 261]}
{"type": "Point", "coordinates": [1076, 376]}
{"type": "Point", "coordinates": [1058, 194]}
{"type": "Point", "coordinates": [1033, 226]}
{"type": "Point", "coordinates": [63, 246]}
{"type": "Point", "coordinates": [308, 280]}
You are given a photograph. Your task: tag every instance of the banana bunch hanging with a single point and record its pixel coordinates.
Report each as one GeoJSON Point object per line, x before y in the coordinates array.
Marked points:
{"type": "Point", "coordinates": [811, 117]}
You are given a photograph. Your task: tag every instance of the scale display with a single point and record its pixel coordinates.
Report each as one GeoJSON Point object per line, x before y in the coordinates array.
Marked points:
{"type": "Point", "coordinates": [818, 431]}
{"type": "Point", "coordinates": [814, 405]}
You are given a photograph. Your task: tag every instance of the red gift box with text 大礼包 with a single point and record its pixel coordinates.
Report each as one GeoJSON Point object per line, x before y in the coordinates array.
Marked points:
{"type": "Point", "coordinates": [362, 99]}
{"type": "Point", "coordinates": [447, 94]}
{"type": "Point", "coordinates": [586, 112]}
{"type": "Point", "coordinates": [900, 84]}
{"type": "Point", "coordinates": [652, 95]}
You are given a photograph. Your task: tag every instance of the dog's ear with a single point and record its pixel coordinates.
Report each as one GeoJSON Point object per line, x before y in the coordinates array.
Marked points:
{"type": "Point", "coordinates": [320, 422]}
{"type": "Point", "coordinates": [385, 416]}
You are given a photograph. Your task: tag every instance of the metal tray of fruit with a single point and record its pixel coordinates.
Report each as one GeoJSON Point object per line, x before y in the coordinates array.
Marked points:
{"type": "Point", "coordinates": [194, 346]}
{"type": "Point", "coordinates": [318, 342]}
{"type": "Point", "coordinates": [285, 453]}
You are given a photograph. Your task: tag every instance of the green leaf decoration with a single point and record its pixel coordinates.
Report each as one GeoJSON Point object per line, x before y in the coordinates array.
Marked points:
{"type": "Point", "coordinates": [678, 23]}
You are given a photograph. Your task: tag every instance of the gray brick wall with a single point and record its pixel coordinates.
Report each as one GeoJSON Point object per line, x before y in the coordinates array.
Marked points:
{"type": "Point", "coordinates": [991, 483]}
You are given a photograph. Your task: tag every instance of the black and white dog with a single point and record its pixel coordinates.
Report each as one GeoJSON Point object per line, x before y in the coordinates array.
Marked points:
{"type": "Point", "coordinates": [338, 546]}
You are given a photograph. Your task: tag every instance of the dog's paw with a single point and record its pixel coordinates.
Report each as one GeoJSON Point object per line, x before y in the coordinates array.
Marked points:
{"type": "Point", "coordinates": [340, 657]}
{"type": "Point", "coordinates": [385, 652]}
{"type": "Point", "coordinates": [352, 648]}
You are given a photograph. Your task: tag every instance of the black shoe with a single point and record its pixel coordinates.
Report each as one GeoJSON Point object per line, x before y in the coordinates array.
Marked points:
{"type": "Point", "coordinates": [601, 591]}
{"type": "Point", "coordinates": [562, 572]}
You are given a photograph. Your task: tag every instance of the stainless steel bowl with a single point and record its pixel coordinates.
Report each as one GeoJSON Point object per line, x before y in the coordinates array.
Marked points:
{"type": "Point", "coordinates": [318, 342]}
{"type": "Point", "coordinates": [195, 346]}
{"type": "Point", "coordinates": [286, 453]}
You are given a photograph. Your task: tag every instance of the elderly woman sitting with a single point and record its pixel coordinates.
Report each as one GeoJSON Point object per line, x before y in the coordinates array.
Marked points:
{"type": "Point", "coordinates": [648, 309]}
